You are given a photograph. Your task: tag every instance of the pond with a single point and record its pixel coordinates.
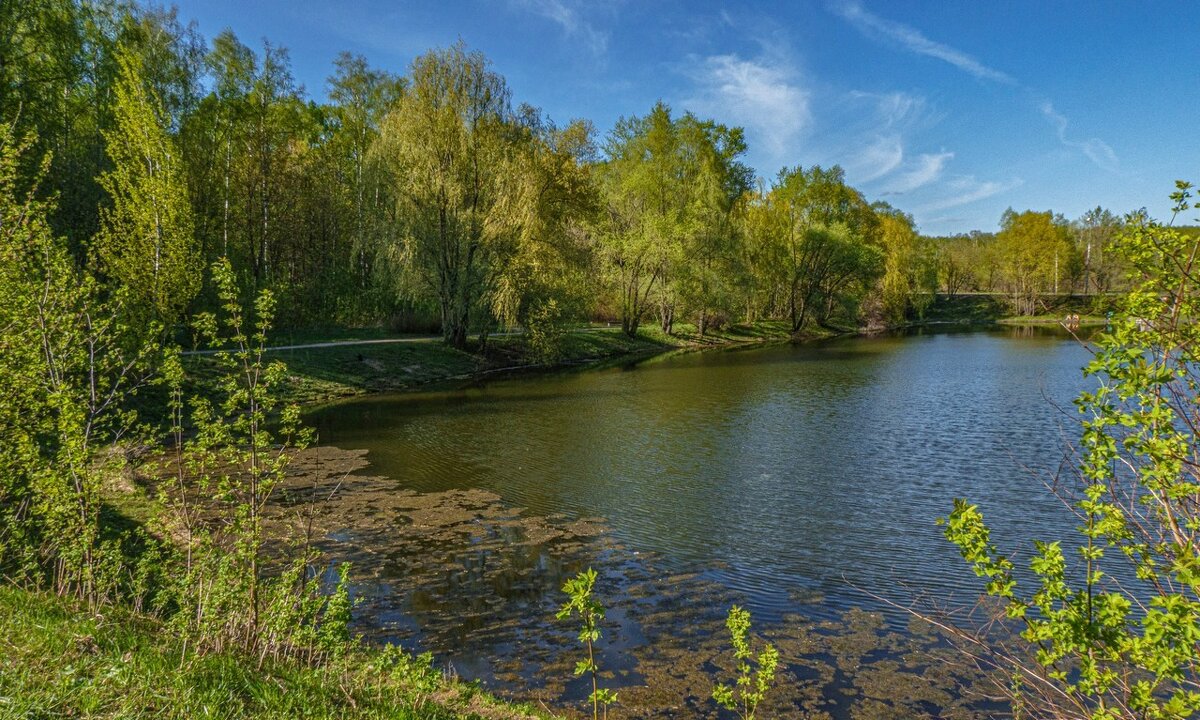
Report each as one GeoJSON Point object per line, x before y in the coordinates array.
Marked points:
{"type": "Point", "coordinates": [802, 481]}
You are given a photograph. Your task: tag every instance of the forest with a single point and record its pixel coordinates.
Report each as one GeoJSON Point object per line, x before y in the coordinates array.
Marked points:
{"type": "Point", "coordinates": [435, 201]}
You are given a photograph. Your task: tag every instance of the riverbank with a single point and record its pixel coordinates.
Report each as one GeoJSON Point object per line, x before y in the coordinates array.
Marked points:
{"type": "Point", "coordinates": [326, 364]}
{"type": "Point", "coordinates": [995, 310]}
{"type": "Point", "coordinates": [59, 660]}
{"type": "Point", "coordinates": [339, 364]}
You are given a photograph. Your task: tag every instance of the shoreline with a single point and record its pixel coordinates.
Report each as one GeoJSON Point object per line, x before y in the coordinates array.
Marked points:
{"type": "Point", "coordinates": [326, 365]}
{"type": "Point", "coordinates": [323, 373]}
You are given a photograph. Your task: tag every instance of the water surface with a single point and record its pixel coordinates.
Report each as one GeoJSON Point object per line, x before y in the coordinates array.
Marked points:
{"type": "Point", "coordinates": [791, 478]}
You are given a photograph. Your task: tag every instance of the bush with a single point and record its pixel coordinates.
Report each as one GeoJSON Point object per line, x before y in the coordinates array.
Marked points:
{"type": "Point", "coordinates": [1091, 643]}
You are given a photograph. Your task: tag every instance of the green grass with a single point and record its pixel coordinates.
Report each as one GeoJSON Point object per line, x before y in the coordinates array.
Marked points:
{"type": "Point", "coordinates": [59, 661]}
{"type": "Point", "coordinates": [327, 373]}
{"type": "Point", "coordinates": [992, 309]}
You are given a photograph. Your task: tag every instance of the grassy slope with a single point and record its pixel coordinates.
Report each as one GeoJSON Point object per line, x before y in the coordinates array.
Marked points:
{"type": "Point", "coordinates": [59, 661]}
{"type": "Point", "coordinates": [992, 309]}
{"type": "Point", "coordinates": [319, 374]}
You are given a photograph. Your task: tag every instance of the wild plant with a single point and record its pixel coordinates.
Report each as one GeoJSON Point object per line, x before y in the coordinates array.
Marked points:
{"type": "Point", "coordinates": [69, 363]}
{"type": "Point", "coordinates": [1087, 640]}
{"type": "Point", "coordinates": [581, 602]}
{"type": "Point", "coordinates": [233, 460]}
{"type": "Point", "coordinates": [754, 674]}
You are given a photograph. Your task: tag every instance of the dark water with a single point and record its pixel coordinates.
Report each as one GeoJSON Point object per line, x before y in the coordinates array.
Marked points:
{"type": "Point", "coordinates": [792, 477]}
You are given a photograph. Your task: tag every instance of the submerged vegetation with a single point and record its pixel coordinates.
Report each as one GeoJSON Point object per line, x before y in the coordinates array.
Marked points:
{"type": "Point", "coordinates": [159, 192]}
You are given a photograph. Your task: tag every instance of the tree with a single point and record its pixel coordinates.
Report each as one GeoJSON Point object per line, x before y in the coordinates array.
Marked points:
{"type": "Point", "coordinates": [671, 186]}
{"type": "Point", "coordinates": [1095, 231]}
{"type": "Point", "coordinates": [444, 149]}
{"type": "Point", "coordinates": [362, 97]}
{"type": "Point", "coordinates": [910, 267]}
{"type": "Point", "coordinates": [639, 231]}
{"type": "Point", "coordinates": [147, 243]}
{"type": "Point", "coordinates": [1114, 634]}
{"type": "Point", "coordinates": [1034, 254]}
{"type": "Point", "coordinates": [539, 276]}
{"type": "Point", "coordinates": [964, 262]}
{"type": "Point", "coordinates": [815, 232]}
{"type": "Point", "coordinates": [715, 182]}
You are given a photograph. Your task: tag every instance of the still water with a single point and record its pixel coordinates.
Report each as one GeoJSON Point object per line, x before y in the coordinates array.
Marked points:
{"type": "Point", "coordinates": [792, 479]}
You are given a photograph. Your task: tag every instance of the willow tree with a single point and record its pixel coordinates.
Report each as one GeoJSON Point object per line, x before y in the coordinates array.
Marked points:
{"type": "Point", "coordinates": [817, 243]}
{"type": "Point", "coordinates": [910, 275]}
{"type": "Point", "coordinates": [146, 243]}
{"type": "Point", "coordinates": [444, 148]}
{"type": "Point", "coordinates": [539, 274]}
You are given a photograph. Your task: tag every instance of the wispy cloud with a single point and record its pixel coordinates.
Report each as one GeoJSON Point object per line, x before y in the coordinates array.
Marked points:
{"type": "Point", "coordinates": [1095, 149]}
{"type": "Point", "coordinates": [765, 96]}
{"type": "Point", "coordinates": [966, 189]}
{"type": "Point", "coordinates": [914, 41]}
{"type": "Point", "coordinates": [568, 15]}
{"type": "Point", "coordinates": [879, 149]}
{"type": "Point", "coordinates": [925, 169]}
{"type": "Point", "coordinates": [877, 158]}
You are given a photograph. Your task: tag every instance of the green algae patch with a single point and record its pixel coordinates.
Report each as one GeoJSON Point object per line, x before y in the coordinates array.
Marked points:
{"type": "Point", "coordinates": [476, 581]}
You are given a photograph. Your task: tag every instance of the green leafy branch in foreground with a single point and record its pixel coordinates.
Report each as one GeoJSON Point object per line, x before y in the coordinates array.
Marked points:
{"type": "Point", "coordinates": [582, 602]}
{"type": "Point", "coordinates": [1096, 647]}
{"type": "Point", "coordinates": [755, 674]}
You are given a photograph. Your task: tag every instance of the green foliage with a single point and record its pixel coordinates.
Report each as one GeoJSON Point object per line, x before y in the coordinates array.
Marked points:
{"type": "Point", "coordinates": [910, 270]}
{"type": "Point", "coordinates": [484, 199]}
{"type": "Point", "coordinates": [582, 603]}
{"type": "Point", "coordinates": [668, 236]}
{"type": "Point", "coordinates": [1035, 257]}
{"type": "Point", "coordinates": [814, 246]}
{"type": "Point", "coordinates": [69, 365]}
{"type": "Point", "coordinates": [234, 459]}
{"type": "Point", "coordinates": [1100, 648]}
{"type": "Point", "coordinates": [755, 674]}
{"type": "Point", "coordinates": [146, 244]}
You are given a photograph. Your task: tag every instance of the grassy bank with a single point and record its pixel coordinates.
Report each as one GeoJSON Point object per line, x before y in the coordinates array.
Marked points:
{"type": "Point", "coordinates": [58, 660]}
{"type": "Point", "coordinates": [995, 309]}
{"type": "Point", "coordinates": [390, 363]}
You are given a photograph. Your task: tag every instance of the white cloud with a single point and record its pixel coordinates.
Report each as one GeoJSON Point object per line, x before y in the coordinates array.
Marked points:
{"type": "Point", "coordinates": [966, 189]}
{"type": "Point", "coordinates": [878, 140]}
{"type": "Point", "coordinates": [877, 158]}
{"type": "Point", "coordinates": [567, 14]}
{"type": "Point", "coordinates": [914, 41]}
{"type": "Point", "coordinates": [925, 169]}
{"type": "Point", "coordinates": [911, 39]}
{"type": "Point", "coordinates": [1095, 149]}
{"type": "Point", "coordinates": [763, 96]}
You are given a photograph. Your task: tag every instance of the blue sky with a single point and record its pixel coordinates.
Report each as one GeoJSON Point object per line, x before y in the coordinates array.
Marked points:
{"type": "Point", "coordinates": [951, 111]}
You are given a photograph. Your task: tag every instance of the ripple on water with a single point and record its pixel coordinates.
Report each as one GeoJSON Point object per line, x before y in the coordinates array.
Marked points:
{"type": "Point", "coordinates": [797, 480]}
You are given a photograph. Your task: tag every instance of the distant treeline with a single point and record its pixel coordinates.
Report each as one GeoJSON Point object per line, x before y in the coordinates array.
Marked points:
{"type": "Point", "coordinates": [434, 200]}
